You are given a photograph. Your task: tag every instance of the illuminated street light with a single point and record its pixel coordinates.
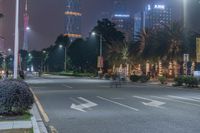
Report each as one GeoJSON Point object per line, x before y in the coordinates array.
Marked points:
{"type": "Point", "coordinates": [28, 28]}
{"type": "Point", "coordinates": [100, 60]}
{"type": "Point", "coordinates": [9, 50]}
{"type": "Point", "coordinates": [60, 46]}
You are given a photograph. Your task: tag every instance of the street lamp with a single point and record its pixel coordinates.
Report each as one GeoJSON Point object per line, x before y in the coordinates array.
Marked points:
{"type": "Point", "coordinates": [28, 28]}
{"type": "Point", "coordinates": [65, 62]}
{"type": "Point", "coordinates": [16, 50]}
{"type": "Point", "coordinates": [100, 59]}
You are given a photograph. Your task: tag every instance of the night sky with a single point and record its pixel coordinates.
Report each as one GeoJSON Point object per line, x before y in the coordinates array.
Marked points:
{"type": "Point", "coordinates": [47, 18]}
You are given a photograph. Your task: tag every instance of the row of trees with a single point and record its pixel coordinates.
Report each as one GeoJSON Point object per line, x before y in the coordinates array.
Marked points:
{"type": "Point", "coordinates": [168, 43]}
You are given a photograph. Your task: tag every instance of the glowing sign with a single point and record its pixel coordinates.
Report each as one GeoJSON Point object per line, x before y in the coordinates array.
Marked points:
{"type": "Point", "coordinates": [159, 7]}
{"type": "Point", "coordinates": [122, 15]}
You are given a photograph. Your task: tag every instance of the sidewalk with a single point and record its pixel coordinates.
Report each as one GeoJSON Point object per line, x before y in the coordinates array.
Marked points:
{"type": "Point", "coordinates": [36, 123]}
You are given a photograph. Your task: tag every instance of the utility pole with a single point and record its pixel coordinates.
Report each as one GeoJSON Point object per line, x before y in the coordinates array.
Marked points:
{"type": "Point", "coordinates": [16, 47]}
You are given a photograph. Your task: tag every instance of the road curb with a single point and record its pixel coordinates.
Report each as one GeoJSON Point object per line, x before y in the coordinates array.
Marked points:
{"type": "Point", "coordinates": [38, 124]}
{"type": "Point", "coordinates": [36, 111]}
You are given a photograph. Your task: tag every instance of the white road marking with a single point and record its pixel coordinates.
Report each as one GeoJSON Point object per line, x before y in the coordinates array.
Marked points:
{"type": "Point", "coordinates": [174, 100]}
{"type": "Point", "coordinates": [67, 86]}
{"type": "Point", "coordinates": [183, 98]}
{"type": "Point", "coordinates": [198, 98]}
{"type": "Point", "coordinates": [153, 103]}
{"type": "Point", "coordinates": [118, 98]}
{"type": "Point", "coordinates": [123, 105]}
{"type": "Point", "coordinates": [86, 105]}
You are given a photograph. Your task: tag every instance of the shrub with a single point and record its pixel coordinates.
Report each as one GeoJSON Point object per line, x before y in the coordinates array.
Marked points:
{"type": "Point", "coordinates": [162, 79]}
{"type": "Point", "coordinates": [179, 81]}
{"type": "Point", "coordinates": [190, 81]}
{"type": "Point", "coordinates": [107, 76]}
{"type": "Point", "coordinates": [134, 78]}
{"type": "Point", "coordinates": [144, 78]}
{"type": "Point", "coordinates": [15, 97]}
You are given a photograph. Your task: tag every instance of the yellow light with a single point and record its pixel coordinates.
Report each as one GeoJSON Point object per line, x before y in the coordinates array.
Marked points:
{"type": "Point", "coordinates": [74, 35]}
{"type": "Point", "coordinates": [73, 13]}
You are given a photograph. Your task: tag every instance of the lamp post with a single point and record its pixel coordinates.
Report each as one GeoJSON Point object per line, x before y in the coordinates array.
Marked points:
{"type": "Point", "coordinates": [65, 62]}
{"type": "Point", "coordinates": [100, 59]}
{"type": "Point", "coordinates": [16, 50]}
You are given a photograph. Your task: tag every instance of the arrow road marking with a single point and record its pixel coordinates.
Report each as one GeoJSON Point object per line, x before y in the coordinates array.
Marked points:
{"type": "Point", "coordinates": [153, 103]}
{"type": "Point", "coordinates": [123, 105]}
{"type": "Point", "coordinates": [83, 106]}
{"type": "Point", "coordinates": [174, 100]}
{"type": "Point", "coordinates": [183, 98]}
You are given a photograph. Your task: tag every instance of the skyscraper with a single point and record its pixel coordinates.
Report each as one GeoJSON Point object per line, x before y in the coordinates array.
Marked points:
{"type": "Point", "coordinates": [26, 26]}
{"type": "Point", "coordinates": [122, 18]}
{"type": "Point", "coordinates": [73, 19]}
{"type": "Point", "coordinates": [157, 14]}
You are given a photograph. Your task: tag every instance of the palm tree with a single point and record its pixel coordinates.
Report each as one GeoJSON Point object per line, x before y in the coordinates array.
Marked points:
{"type": "Point", "coordinates": [174, 38]}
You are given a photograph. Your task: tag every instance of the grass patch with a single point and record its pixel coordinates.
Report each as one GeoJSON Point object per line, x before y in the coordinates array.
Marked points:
{"type": "Point", "coordinates": [17, 131]}
{"type": "Point", "coordinates": [25, 117]}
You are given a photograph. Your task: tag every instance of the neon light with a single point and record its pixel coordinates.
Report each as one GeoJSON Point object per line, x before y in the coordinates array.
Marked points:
{"type": "Point", "coordinates": [122, 15]}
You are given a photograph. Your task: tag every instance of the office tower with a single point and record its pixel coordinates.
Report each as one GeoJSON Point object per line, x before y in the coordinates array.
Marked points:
{"type": "Point", "coordinates": [139, 23]}
{"type": "Point", "coordinates": [157, 14]}
{"type": "Point", "coordinates": [73, 19]}
{"type": "Point", "coordinates": [26, 27]}
{"type": "Point", "coordinates": [122, 18]}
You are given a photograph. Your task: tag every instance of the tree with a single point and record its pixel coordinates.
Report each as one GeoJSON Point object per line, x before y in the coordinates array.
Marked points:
{"type": "Point", "coordinates": [112, 40]}
{"type": "Point", "coordinates": [83, 55]}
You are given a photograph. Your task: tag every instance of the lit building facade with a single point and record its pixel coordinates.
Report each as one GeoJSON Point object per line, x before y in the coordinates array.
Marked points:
{"type": "Point", "coordinates": [139, 23]}
{"type": "Point", "coordinates": [157, 15]}
{"type": "Point", "coordinates": [122, 19]}
{"type": "Point", "coordinates": [73, 19]}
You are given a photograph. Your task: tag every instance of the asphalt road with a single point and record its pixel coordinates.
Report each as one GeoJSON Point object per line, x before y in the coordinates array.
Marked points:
{"type": "Point", "coordinates": [91, 106]}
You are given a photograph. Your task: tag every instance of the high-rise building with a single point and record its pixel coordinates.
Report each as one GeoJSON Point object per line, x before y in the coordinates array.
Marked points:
{"type": "Point", "coordinates": [73, 19]}
{"type": "Point", "coordinates": [26, 27]}
{"type": "Point", "coordinates": [122, 18]}
{"type": "Point", "coordinates": [139, 23]}
{"type": "Point", "coordinates": [157, 14]}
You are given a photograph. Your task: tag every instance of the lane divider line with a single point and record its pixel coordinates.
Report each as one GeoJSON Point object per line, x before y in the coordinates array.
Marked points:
{"type": "Point", "coordinates": [120, 104]}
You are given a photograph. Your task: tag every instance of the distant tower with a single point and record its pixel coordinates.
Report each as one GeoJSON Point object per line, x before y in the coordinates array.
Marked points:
{"type": "Point", "coordinates": [26, 27]}
{"type": "Point", "coordinates": [73, 19]}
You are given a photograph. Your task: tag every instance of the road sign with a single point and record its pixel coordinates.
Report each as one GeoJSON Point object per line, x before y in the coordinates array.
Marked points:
{"type": "Point", "coordinates": [100, 62]}
{"type": "Point", "coordinates": [198, 49]}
